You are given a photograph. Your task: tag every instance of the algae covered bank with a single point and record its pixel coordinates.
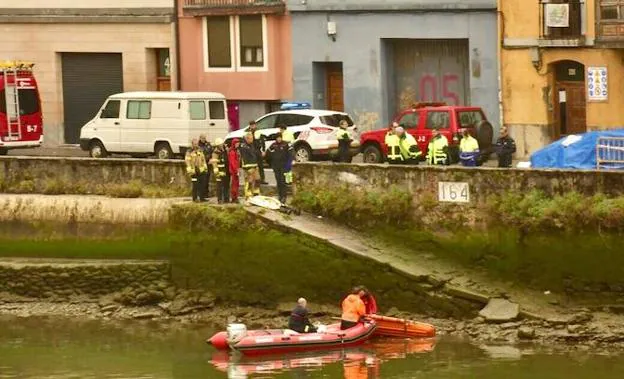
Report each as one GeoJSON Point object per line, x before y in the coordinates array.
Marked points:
{"type": "Point", "coordinates": [227, 252]}
{"type": "Point", "coordinates": [554, 231]}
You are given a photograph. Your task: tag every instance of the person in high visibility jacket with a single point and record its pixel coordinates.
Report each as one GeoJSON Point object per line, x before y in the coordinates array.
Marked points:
{"type": "Point", "coordinates": [234, 164]}
{"type": "Point", "coordinates": [437, 151]}
{"type": "Point", "coordinates": [196, 168]}
{"type": "Point", "coordinates": [408, 147]}
{"type": "Point", "coordinates": [468, 150]}
{"type": "Point", "coordinates": [344, 142]}
{"type": "Point", "coordinates": [249, 161]}
{"type": "Point", "coordinates": [221, 170]}
{"type": "Point", "coordinates": [353, 309]}
{"type": "Point", "coordinates": [289, 138]}
{"type": "Point", "coordinates": [392, 142]}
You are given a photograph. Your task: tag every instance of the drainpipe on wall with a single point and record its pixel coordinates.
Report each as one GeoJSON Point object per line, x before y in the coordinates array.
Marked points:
{"type": "Point", "coordinates": [177, 45]}
{"type": "Point", "coordinates": [501, 33]}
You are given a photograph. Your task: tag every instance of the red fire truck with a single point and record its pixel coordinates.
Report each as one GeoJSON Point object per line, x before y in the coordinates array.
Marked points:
{"type": "Point", "coordinates": [21, 122]}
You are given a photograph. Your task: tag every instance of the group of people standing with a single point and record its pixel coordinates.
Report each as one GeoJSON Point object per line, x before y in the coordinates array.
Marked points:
{"type": "Point", "coordinates": [204, 159]}
{"type": "Point", "coordinates": [403, 148]}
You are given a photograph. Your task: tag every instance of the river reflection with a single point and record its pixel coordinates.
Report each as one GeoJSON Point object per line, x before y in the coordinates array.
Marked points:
{"type": "Point", "coordinates": [357, 363]}
{"type": "Point", "coordinates": [63, 348]}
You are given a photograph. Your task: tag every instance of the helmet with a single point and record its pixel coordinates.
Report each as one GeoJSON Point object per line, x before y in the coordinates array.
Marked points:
{"type": "Point", "coordinates": [218, 142]}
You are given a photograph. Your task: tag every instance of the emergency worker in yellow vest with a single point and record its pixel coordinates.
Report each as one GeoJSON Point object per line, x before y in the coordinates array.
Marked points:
{"type": "Point", "coordinates": [221, 171]}
{"type": "Point", "coordinates": [408, 146]}
{"type": "Point", "coordinates": [392, 142]}
{"type": "Point", "coordinates": [289, 138]}
{"type": "Point", "coordinates": [468, 150]}
{"type": "Point", "coordinates": [249, 161]}
{"type": "Point", "coordinates": [196, 168]}
{"type": "Point", "coordinates": [344, 142]}
{"type": "Point", "coordinates": [437, 151]}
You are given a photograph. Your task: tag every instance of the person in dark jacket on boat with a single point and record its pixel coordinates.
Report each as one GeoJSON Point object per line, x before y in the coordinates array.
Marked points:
{"type": "Point", "coordinates": [298, 320]}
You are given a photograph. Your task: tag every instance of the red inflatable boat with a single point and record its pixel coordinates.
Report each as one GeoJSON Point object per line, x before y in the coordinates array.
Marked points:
{"type": "Point", "coordinates": [256, 342]}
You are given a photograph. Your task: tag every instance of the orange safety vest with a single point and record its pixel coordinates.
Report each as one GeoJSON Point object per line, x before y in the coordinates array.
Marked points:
{"type": "Point", "coordinates": [353, 308]}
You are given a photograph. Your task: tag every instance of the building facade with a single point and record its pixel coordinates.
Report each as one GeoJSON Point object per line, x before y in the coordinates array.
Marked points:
{"type": "Point", "coordinates": [240, 48]}
{"type": "Point", "coordinates": [373, 58]}
{"type": "Point", "coordinates": [562, 68]}
{"type": "Point", "coordinates": [85, 51]}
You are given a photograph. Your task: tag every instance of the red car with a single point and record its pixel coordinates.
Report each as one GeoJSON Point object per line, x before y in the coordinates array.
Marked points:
{"type": "Point", "coordinates": [422, 119]}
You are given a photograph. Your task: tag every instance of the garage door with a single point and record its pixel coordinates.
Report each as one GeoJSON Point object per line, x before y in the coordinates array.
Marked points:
{"type": "Point", "coordinates": [88, 79]}
{"type": "Point", "coordinates": [431, 70]}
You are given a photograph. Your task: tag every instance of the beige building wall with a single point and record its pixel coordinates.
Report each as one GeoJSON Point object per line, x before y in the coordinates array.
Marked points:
{"type": "Point", "coordinates": [86, 4]}
{"type": "Point", "coordinates": [44, 43]}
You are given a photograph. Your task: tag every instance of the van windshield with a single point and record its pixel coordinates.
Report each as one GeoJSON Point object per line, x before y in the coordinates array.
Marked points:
{"type": "Point", "coordinates": [28, 101]}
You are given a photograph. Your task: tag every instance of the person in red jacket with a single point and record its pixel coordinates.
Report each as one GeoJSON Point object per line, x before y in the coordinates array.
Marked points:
{"type": "Point", "coordinates": [369, 301]}
{"type": "Point", "coordinates": [233, 166]}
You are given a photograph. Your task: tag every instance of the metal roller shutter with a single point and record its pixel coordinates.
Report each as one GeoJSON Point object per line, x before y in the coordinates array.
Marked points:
{"type": "Point", "coordinates": [431, 70]}
{"type": "Point", "coordinates": [88, 79]}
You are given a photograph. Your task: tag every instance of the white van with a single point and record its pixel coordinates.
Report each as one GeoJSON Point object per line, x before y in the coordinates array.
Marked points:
{"type": "Point", "coordinates": [160, 123]}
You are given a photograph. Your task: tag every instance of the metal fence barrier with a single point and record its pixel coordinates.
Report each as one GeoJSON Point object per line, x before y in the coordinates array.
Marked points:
{"type": "Point", "coordinates": [610, 153]}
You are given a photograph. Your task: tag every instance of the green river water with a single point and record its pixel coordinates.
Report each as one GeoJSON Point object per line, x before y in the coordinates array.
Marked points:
{"type": "Point", "coordinates": [62, 348]}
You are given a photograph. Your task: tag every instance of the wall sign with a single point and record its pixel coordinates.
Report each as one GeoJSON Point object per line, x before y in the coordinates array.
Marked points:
{"type": "Point", "coordinates": [557, 15]}
{"type": "Point", "coordinates": [453, 192]}
{"type": "Point", "coordinates": [597, 84]}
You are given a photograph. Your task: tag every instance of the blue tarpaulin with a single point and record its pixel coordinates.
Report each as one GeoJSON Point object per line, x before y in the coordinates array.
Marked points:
{"type": "Point", "coordinates": [574, 151]}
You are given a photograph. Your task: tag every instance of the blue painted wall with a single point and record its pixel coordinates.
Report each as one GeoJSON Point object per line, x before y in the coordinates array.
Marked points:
{"type": "Point", "coordinates": [362, 27]}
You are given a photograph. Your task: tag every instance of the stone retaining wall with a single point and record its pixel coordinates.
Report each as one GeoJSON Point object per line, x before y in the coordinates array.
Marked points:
{"type": "Point", "coordinates": [89, 176]}
{"type": "Point", "coordinates": [483, 182]}
{"type": "Point", "coordinates": [84, 209]}
{"type": "Point", "coordinates": [131, 282]}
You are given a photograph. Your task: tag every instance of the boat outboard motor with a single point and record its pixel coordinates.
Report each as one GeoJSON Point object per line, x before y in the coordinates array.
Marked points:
{"type": "Point", "coordinates": [235, 372]}
{"type": "Point", "coordinates": [235, 333]}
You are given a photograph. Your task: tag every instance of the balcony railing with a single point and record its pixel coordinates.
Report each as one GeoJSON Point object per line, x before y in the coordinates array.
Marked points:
{"type": "Point", "coordinates": [232, 7]}
{"type": "Point", "coordinates": [562, 19]}
{"type": "Point", "coordinates": [610, 25]}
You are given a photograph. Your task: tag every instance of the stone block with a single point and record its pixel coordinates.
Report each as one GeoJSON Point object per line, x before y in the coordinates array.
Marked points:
{"type": "Point", "coordinates": [500, 311]}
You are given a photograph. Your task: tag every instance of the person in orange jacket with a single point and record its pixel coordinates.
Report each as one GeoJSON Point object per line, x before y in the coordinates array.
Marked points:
{"type": "Point", "coordinates": [234, 165]}
{"type": "Point", "coordinates": [353, 309]}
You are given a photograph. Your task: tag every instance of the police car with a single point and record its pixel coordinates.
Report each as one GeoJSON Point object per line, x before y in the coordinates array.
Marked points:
{"type": "Point", "coordinates": [314, 130]}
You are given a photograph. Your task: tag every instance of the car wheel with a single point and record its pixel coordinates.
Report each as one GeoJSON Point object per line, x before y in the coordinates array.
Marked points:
{"type": "Point", "coordinates": [163, 151]}
{"type": "Point", "coordinates": [97, 150]}
{"type": "Point", "coordinates": [372, 154]}
{"type": "Point", "coordinates": [302, 153]}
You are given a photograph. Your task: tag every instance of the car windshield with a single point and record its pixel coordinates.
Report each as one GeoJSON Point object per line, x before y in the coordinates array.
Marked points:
{"type": "Point", "coordinates": [334, 119]}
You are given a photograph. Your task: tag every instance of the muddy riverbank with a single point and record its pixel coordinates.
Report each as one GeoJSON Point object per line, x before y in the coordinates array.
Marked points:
{"type": "Point", "coordinates": [585, 331]}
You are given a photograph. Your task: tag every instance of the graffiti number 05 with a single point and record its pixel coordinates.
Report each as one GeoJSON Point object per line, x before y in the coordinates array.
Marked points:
{"type": "Point", "coordinates": [429, 85]}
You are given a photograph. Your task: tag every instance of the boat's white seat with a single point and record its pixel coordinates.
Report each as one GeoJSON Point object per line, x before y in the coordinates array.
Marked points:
{"type": "Point", "coordinates": [289, 332]}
